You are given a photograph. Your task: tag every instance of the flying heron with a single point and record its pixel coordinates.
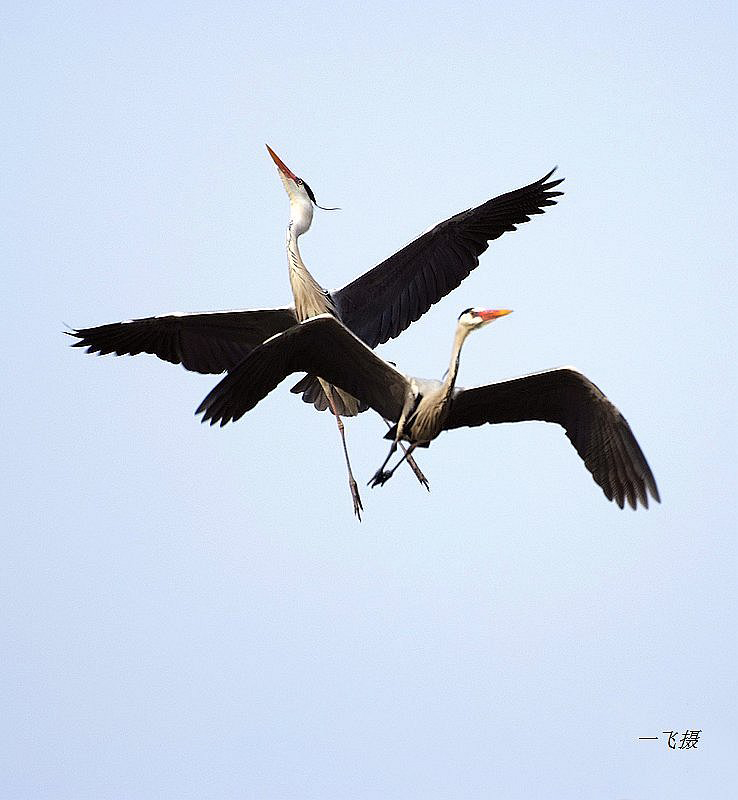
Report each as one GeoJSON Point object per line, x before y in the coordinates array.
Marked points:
{"type": "Point", "coordinates": [421, 409]}
{"type": "Point", "coordinates": [376, 306]}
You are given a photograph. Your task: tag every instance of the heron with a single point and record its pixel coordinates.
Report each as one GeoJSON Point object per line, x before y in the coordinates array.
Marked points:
{"type": "Point", "coordinates": [376, 306]}
{"type": "Point", "coordinates": [422, 409]}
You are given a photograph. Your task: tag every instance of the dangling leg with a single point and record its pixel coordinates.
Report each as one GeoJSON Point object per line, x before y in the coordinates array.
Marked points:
{"type": "Point", "coordinates": [358, 508]}
{"type": "Point", "coordinates": [412, 463]}
{"type": "Point", "coordinates": [381, 477]}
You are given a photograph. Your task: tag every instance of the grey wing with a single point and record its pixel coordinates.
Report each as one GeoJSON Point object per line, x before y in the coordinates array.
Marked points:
{"type": "Point", "coordinates": [209, 342]}
{"type": "Point", "coordinates": [598, 431]}
{"type": "Point", "coordinates": [321, 346]}
{"type": "Point", "coordinates": [380, 304]}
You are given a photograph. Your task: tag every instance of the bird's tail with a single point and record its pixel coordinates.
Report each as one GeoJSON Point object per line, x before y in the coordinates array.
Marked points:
{"type": "Point", "coordinates": [312, 392]}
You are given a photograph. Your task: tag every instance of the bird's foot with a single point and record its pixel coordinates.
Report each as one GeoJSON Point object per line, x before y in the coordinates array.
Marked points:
{"type": "Point", "coordinates": [380, 478]}
{"type": "Point", "coordinates": [418, 474]}
{"type": "Point", "coordinates": [358, 508]}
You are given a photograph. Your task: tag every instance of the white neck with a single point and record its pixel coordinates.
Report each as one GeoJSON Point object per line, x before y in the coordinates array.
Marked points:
{"type": "Point", "coordinates": [310, 297]}
{"type": "Point", "coordinates": [453, 368]}
{"type": "Point", "coordinates": [301, 214]}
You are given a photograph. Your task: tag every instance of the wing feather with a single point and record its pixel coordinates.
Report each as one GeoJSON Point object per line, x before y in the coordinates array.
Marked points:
{"type": "Point", "coordinates": [599, 432]}
{"type": "Point", "coordinates": [210, 342]}
{"type": "Point", "coordinates": [321, 346]}
{"type": "Point", "coordinates": [451, 249]}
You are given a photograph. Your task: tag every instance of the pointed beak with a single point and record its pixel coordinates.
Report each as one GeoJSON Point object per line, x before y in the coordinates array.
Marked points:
{"type": "Point", "coordinates": [494, 313]}
{"type": "Point", "coordinates": [281, 166]}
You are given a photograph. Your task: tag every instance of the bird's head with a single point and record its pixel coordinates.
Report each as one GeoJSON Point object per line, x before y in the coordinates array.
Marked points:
{"type": "Point", "coordinates": [301, 196]}
{"type": "Point", "coordinates": [473, 318]}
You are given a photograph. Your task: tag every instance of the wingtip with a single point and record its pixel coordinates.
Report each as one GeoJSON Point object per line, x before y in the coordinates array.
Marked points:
{"type": "Point", "coordinates": [546, 184]}
{"type": "Point", "coordinates": [77, 335]}
{"type": "Point", "coordinates": [549, 174]}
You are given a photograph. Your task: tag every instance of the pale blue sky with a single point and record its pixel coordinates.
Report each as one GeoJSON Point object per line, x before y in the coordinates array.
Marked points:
{"type": "Point", "coordinates": [194, 613]}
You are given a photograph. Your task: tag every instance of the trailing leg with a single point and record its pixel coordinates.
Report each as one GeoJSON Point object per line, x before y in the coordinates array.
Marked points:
{"type": "Point", "coordinates": [412, 463]}
{"type": "Point", "coordinates": [358, 508]}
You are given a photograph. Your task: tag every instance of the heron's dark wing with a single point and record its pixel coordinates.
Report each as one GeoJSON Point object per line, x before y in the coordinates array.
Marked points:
{"type": "Point", "coordinates": [380, 304]}
{"type": "Point", "coordinates": [210, 342]}
{"type": "Point", "coordinates": [598, 431]}
{"type": "Point", "coordinates": [321, 346]}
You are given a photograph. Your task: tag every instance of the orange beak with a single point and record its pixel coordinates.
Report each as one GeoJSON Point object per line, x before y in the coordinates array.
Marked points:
{"type": "Point", "coordinates": [494, 313]}
{"type": "Point", "coordinates": [283, 168]}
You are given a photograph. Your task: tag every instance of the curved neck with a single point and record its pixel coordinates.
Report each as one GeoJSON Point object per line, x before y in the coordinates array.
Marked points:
{"type": "Point", "coordinates": [310, 297]}
{"type": "Point", "coordinates": [293, 251]}
{"type": "Point", "coordinates": [453, 368]}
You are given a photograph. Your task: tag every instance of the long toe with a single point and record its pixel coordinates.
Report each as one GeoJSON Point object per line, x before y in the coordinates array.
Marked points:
{"type": "Point", "coordinates": [413, 464]}
{"type": "Point", "coordinates": [358, 507]}
{"type": "Point", "coordinates": [419, 475]}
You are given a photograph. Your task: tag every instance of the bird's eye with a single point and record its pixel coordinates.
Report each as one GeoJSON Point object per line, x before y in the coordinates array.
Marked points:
{"type": "Point", "coordinates": [298, 181]}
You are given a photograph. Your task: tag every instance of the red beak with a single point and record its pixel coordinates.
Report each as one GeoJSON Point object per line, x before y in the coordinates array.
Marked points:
{"type": "Point", "coordinates": [283, 168]}
{"type": "Point", "coordinates": [494, 313]}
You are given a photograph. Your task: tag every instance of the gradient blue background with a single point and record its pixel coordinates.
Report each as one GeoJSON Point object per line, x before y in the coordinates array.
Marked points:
{"type": "Point", "coordinates": [194, 613]}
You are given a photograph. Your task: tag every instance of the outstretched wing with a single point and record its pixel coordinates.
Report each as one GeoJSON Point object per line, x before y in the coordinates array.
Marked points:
{"type": "Point", "coordinates": [209, 342]}
{"type": "Point", "coordinates": [598, 431]}
{"type": "Point", "coordinates": [321, 346]}
{"type": "Point", "coordinates": [380, 304]}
